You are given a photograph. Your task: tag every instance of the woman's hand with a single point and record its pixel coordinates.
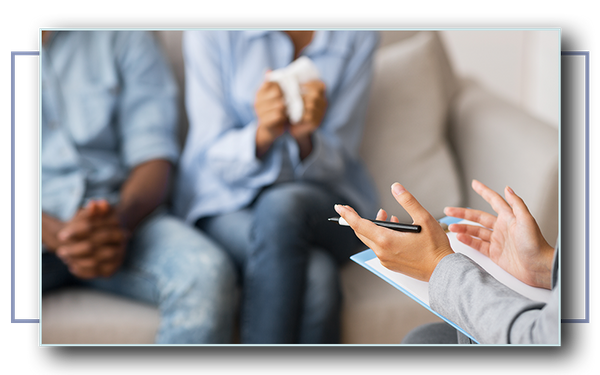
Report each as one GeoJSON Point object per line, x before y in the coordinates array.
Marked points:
{"type": "Point", "coordinates": [413, 254]}
{"type": "Point", "coordinates": [512, 240]}
{"type": "Point", "coordinates": [271, 115]}
{"type": "Point", "coordinates": [315, 105]}
{"type": "Point", "coordinates": [273, 121]}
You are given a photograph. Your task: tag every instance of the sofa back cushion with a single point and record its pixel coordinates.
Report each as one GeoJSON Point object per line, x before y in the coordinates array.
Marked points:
{"type": "Point", "coordinates": [405, 137]}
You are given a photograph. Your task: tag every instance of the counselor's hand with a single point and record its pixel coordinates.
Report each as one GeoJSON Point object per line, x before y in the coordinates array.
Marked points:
{"type": "Point", "coordinates": [413, 254]}
{"type": "Point", "coordinates": [512, 240]}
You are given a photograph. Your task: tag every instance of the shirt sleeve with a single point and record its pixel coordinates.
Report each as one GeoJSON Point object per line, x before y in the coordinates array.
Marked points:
{"type": "Point", "coordinates": [216, 132]}
{"type": "Point", "coordinates": [492, 313]}
{"type": "Point", "coordinates": [147, 111]}
{"type": "Point", "coordinates": [337, 140]}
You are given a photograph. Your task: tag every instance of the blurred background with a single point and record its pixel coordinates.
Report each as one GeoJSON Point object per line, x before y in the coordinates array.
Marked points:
{"type": "Point", "coordinates": [513, 64]}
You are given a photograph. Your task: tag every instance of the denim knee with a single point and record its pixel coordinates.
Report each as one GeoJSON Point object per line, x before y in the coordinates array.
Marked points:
{"type": "Point", "coordinates": [199, 257]}
{"type": "Point", "coordinates": [287, 206]}
{"type": "Point", "coordinates": [195, 281]}
{"type": "Point", "coordinates": [287, 196]}
{"type": "Point", "coordinates": [194, 259]}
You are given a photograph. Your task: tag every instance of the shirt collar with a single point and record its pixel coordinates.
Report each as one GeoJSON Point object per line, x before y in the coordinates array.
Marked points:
{"type": "Point", "coordinates": [319, 44]}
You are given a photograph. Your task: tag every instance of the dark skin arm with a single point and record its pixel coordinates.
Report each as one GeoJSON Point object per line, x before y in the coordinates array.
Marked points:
{"type": "Point", "coordinates": [144, 190]}
{"type": "Point", "coordinates": [93, 242]}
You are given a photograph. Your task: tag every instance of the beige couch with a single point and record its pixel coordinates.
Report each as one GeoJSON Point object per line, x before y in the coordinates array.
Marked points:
{"type": "Point", "coordinates": [428, 129]}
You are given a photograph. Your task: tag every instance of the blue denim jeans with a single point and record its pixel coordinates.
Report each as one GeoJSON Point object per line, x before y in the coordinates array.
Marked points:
{"type": "Point", "coordinates": [432, 334]}
{"type": "Point", "coordinates": [175, 267]}
{"type": "Point", "coordinates": [288, 255]}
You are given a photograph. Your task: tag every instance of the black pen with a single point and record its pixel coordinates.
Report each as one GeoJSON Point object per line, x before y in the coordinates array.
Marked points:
{"type": "Point", "coordinates": [386, 224]}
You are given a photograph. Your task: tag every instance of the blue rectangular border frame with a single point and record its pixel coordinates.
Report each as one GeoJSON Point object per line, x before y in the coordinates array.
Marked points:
{"type": "Point", "coordinates": [585, 54]}
{"type": "Point", "coordinates": [12, 186]}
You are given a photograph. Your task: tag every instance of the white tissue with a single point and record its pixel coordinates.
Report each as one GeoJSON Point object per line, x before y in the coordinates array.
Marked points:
{"type": "Point", "coordinates": [289, 79]}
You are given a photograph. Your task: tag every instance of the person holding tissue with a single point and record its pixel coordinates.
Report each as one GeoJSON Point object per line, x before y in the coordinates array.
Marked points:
{"type": "Point", "coordinates": [276, 119]}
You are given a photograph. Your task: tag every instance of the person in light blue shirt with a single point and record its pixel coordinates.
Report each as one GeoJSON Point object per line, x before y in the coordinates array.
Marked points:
{"type": "Point", "coordinates": [263, 187]}
{"type": "Point", "coordinates": [108, 138]}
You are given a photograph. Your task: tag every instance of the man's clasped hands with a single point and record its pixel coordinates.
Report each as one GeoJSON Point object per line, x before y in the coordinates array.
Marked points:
{"type": "Point", "coordinates": [93, 242]}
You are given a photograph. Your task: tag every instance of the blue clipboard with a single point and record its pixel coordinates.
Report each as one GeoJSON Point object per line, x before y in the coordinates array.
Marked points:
{"type": "Point", "coordinates": [364, 257]}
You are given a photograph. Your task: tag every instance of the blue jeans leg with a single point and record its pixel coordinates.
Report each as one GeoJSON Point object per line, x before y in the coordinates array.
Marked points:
{"type": "Point", "coordinates": [321, 302]}
{"type": "Point", "coordinates": [320, 320]}
{"type": "Point", "coordinates": [192, 281]}
{"type": "Point", "coordinates": [431, 334]}
{"type": "Point", "coordinates": [288, 222]}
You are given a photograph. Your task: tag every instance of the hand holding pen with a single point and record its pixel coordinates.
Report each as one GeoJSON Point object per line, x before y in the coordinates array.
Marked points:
{"type": "Point", "coordinates": [392, 224]}
{"type": "Point", "coordinates": [404, 252]}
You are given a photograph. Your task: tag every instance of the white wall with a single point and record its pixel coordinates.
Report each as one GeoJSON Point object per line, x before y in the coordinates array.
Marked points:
{"type": "Point", "coordinates": [520, 65]}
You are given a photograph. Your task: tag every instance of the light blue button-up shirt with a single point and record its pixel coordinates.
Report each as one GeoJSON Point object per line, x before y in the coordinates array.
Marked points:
{"type": "Point", "coordinates": [219, 170]}
{"type": "Point", "coordinates": [109, 103]}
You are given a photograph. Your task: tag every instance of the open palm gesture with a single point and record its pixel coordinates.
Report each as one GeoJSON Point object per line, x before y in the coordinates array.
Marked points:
{"type": "Point", "coordinates": [512, 239]}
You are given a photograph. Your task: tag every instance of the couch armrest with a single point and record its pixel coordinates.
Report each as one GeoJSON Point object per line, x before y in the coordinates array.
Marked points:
{"type": "Point", "coordinates": [499, 144]}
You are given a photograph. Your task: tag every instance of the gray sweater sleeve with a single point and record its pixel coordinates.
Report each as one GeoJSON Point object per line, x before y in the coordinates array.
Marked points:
{"type": "Point", "coordinates": [492, 313]}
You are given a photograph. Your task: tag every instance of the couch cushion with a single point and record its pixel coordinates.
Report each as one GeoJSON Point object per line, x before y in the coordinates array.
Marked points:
{"type": "Point", "coordinates": [405, 135]}
{"type": "Point", "coordinates": [84, 316]}
{"type": "Point", "coordinates": [374, 312]}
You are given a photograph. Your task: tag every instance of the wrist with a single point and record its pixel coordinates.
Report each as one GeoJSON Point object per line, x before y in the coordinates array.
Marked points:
{"type": "Point", "coordinates": [125, 216]}
{"type": "Point", "coordinates": [265, 137]}
{"type": "Point", "coordinates": [305, 145]}
{"type": "Point", "coordinates": [543, 277]}
{"type": "Point", "coordinates": [50, 228]}
{"type": "Point", "coordinates": [443, 252]}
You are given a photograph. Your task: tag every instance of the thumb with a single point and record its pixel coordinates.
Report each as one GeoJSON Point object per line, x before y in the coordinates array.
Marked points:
{"type": "Point", "coordinates": [267, 75]}
{"type": "Point", "coordinates": [93, 208]}
{"type": "Point", "coordinates": [348, 214]}
{"type": "Point", "coordinates": [103, 206]}
{"type": "Point", "coordinates": [96, 208]}
{"type": "Point", "coordinates": [409, 203]}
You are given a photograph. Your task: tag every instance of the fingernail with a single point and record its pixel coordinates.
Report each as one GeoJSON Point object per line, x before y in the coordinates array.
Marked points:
{"type": "Point", "coordinates": [337, 208]}
{"type": "Point", "coordinates": [510, 190]}
{"type": "Point", "coordinates": [398, 189]}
